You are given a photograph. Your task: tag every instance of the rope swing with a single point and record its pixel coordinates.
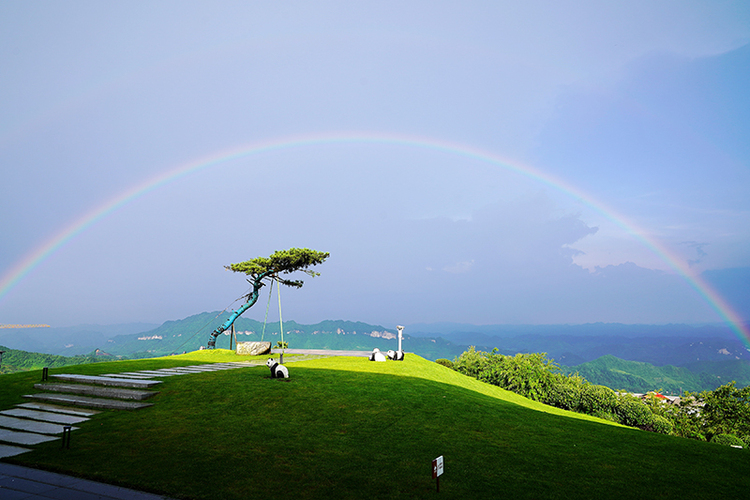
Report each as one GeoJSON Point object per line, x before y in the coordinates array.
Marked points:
{"type": "Point", "coordinates": [281, 321]}
{"type": "Point", "coordinates": [281, 324]}
{"type": "Point", "coordinates": [265, 320]}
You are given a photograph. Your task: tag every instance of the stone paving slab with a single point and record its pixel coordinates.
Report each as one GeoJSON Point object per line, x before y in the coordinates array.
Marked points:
{"type": "Point", "coordinates": [59, 409]}
{"type": "Point", "coordinates": [21, 424]}
{"type": "Point", "coordinates": [108, 381]}
{"type": "Point", "coordinates": [184, 372]}
{"type": "Point", "coordinates": [11, 451]}
{"type": "Point", "coordinates": [181, 370]}
{"type": "Point", "coordinates": [44, 416]}
{"type": "Point", "coordinates": [27, 438]}
{"type": "Point", "coordinates": [150, 373]}
{"type": "Point", "coordinates": [103, 392]}
{"type": "Point", "coordinates": [108, 404]}
{"type": "Point", "coordinates": [129, 376]}
{"type": "Point", "coordinates": [32, 484]}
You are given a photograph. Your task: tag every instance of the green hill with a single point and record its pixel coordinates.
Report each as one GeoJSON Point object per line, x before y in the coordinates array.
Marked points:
{"type": "Point", "coordinates": [637, 376]}
{"type": "Point", "coordinates": [351, 428]}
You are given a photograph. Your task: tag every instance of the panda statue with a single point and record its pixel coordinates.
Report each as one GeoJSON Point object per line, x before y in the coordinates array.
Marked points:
{"type": "Point", "coordinates": [396, 355]}
{"type": "Point", "coordinates": [377, 355]}
{"type": "Point", "coordinates": [277, 370]}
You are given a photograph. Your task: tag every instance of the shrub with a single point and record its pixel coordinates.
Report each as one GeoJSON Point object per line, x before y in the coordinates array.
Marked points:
{"type": "Point", "coordinates": [727, 440]}
{"type": "Point", "coordinates": [597, 399]}
{"type": "Point", "coordinates": [445, 362]}
{"type": "Point", "coordinates": [633, 412]}
{"type": "Point", "coordinates": [659, 424]}
{"type": "Point", "coordinates": [565, 393]}
{"type": "Point", "coordinates": [531, 375]}
{"type": "Point", "coordinates": [470, 362]}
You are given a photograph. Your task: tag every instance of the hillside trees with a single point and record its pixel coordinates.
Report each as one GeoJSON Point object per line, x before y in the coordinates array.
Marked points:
{"type": "Point", "coordinates": [538, 378]}
{"type": "Point", "coordinates": [267, 269]}
{"type": "Point", "coordinates": [726, 410]}
{"type": "Point", "coordinates": [721, 415]}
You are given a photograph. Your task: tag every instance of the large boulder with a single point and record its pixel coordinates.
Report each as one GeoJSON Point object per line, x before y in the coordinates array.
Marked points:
{"type": "Point", "coordinates": [253, 348]}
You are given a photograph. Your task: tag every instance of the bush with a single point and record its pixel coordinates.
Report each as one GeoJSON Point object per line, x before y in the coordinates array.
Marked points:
{"type": "Point", "coordinates": [445, 362]}
{"type": "Point", "coordinates": [659, 424]}
{"type": "Point", "coordinates": [531, 375]}
{"type": "Point", "coordinates": [727, 440]}
{"type": "Point", "coordinates": [470, 362]}
{"type": "Point", "coordinates": [633, 412]}
{"type": "Point", "coordinates": [566, 392]}
{"type": "Point", "coordinates": [597, 399]}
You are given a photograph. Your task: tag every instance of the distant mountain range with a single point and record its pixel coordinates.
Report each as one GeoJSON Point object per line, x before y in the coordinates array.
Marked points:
{"type": "Point", "coordinates": [67, 341]}
{"type": "Point", "coordinates": [637, 376]}
{"type": "Point", "coordinates": [632, 357]}
{"type": "Point", "coordinates": [192, 333]}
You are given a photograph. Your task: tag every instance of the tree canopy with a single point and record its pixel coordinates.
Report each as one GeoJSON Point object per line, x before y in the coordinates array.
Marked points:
{"type": "Point", "coordinates": [281, 262]}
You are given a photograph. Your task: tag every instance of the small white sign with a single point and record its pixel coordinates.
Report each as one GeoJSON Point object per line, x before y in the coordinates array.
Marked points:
{"type": "Point", "coordinates": [438, 467]}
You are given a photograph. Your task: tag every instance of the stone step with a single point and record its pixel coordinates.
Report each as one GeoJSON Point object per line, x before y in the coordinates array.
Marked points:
{"type": "Point", "coordinates": [11, 451]}
{"type": "Point", "coordinates": [103, 392]}
{"type": "Point", "coordinates": [108, 381]}
{"type": "Point", "coordinates": [150, 373]}
{"type": "Point", "coordinates": [140, 376]}
{"type": "Point", "coordinates": [58, 409]}
{"type": "Point", "coordinates": [21, 424]}
{"type": "Point", "coordinates": [182, 371]}
{"type": "Point", "coordinates": [43, 416]}
{"type": "Point", "coordinates": [107, 404]}
{"type": "Point", "coordinates": [21, 437]}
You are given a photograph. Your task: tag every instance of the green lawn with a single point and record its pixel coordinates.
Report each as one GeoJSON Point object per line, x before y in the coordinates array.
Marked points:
{"type": "Point", "coordinates": [351, 428]}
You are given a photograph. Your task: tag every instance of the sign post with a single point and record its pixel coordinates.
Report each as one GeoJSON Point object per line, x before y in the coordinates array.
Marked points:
{"type": "Point", "coordinates": [438, 467]}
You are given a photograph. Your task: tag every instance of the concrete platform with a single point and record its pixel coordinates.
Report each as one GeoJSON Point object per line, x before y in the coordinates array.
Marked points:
{"type": "Point", "coordinates": [27, 438]}
{"type": "Point", "coordinates": [18, 482]}
{"type": "Point", "coordinates": [44, 416]}
{"type": "Point", "coordinates": [102, 392]}
{"type": "Point", "coordinates": [107, 381]}
{"type": "Point", "coordinates": [325, 352]}
{"type": "Point", "coordinates": [86, 402]}
{"type": "Point", "coordinates": [20, 424]}
{"type": "Point", "coordinates": [58, 409]}
{"type": "Point", "coordinates": [11, 451]}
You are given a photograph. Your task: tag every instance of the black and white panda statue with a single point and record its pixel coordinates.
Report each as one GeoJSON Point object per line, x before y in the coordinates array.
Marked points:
{"type": "Point", "coordinates": [277, 370]}
{"type": "Point", "coordinates": [396, 355]}
{"type": "Point", "coordinates": [377, 355]}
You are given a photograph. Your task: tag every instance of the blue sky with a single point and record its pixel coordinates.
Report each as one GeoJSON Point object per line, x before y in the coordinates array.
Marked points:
{"type": "Point", "coordinates": [641, 108]}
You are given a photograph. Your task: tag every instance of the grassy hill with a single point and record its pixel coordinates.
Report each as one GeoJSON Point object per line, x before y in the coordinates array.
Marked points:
{"type": "Point", "coordinates": [350, 428]}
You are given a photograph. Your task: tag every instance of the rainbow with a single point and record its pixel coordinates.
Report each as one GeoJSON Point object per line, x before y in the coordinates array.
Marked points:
{"type": "Point", "coordinates": [22, 268]}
